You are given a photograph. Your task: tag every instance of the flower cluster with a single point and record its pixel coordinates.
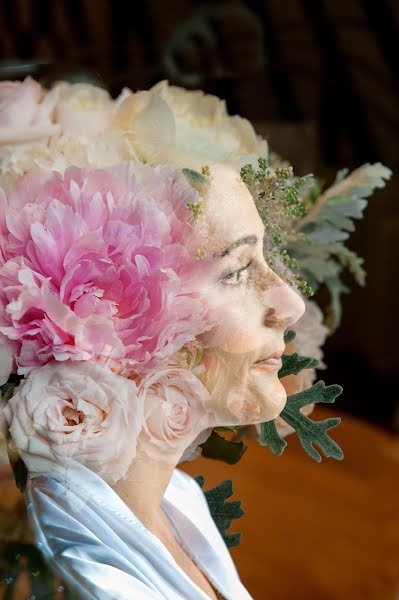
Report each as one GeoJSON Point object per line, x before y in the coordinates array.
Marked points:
{"type": "Point", "coordinates": [80, 124]}
{"type": "Point", "coordinates": [99, 257]}
{"type": "Point", "coordinates": [281, 201]}
{"type": "Point", "coordinates": [100, 265]}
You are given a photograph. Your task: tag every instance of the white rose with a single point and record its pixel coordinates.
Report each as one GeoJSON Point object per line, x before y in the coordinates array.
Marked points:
{"type": "Point", "coordinates": [175, 411]}
{"type": "Point", "coordinates": [82, 411]}
{"type": "Point", "coordinates": [187, 128]}
{"type": "Point", "coordinates": [82, 109]}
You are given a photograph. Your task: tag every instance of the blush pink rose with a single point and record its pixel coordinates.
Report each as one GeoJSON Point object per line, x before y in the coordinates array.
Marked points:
{"type": "Point", "coordinates": [19, 101]}
{"type": "Point", "coordinates": [79, 411]}
{"type": "Point", "coordinates": [175, 411]}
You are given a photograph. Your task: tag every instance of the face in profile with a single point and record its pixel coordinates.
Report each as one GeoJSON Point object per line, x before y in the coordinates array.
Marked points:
{"type": "Point", "coordinates": [243, 351]}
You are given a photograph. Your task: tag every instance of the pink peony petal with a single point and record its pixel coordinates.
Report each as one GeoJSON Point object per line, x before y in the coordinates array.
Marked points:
{"type": "Point", "coordinates": [101, 264]}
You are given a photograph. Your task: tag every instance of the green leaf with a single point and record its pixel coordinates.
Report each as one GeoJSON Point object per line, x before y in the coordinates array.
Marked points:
{"type": "Point", "coordinates": [334, 309]}
{"type": "Point", "coordinates": [311, 432]}
{"type": "Point", "coordinates": [223, 513]}
{"type": "Point", "coordinates": [289, 336]}
{"type": "Point", "coordinates": [294, 363]}
{"type": "Point", "coordinates": [20, 473]}
{"type": "Point", "coordinates": [194, 178]}
{"type": "Point", "coordinates": [220, 449]}
{"type": "Point", "coordinates": [328, 223]}
{"type": "Point", "coordinates": [340, 176]}
{"type": "Point", "coordinates": [269, 437]}
{"type": "Point", "coordinates": [281, 200]}
{"type": "Point", "coordinates": [7, 391]}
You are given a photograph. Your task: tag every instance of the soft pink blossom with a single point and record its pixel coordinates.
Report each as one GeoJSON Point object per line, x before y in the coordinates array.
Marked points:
{"type": "Point", "coordinates": [79, 411]}
{"type": "Point", "coordinates": [101, 265]}
{"type": "Point", "coordinates": [175, 411]}
{"type": "Point", "coordinates": [19, 101]}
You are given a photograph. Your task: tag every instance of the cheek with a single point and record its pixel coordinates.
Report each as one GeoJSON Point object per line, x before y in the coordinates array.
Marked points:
{"type": "Point", "coordinates": [239, 326]}
{"type": "Point", "coordinates": [223, 373]}
{"type": "Point", "coordinates": [233, 338]}
{"type": "Point", "coordinates": [244, 341]}
{"type": "Point", "coordinates": [238, 395]}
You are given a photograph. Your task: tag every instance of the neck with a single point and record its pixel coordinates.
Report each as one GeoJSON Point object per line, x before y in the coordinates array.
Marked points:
{"type": "Point", "coordinates": [143, 488]}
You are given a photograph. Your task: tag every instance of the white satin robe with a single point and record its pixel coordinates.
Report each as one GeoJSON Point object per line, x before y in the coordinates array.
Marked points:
{"type": "Point", "coordinates": [103, 552]}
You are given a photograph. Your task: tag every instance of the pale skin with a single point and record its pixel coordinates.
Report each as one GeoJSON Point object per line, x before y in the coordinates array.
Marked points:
{"type": "Point", "coordinates": [258, 308]}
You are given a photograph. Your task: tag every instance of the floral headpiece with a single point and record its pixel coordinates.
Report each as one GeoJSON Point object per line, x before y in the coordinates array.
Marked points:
{"type": "Point", "coordinates": [93, 264]}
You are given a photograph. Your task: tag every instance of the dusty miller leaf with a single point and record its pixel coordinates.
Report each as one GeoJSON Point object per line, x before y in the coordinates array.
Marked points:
{"type": "Point", "coordinates": [294, 364]}
{"type": "Point", "coordinates": [328, 224]}
{"type": "Point", "coordinates": [334, 309]}
{"type": "Point", "coordinates": [220, 449]}
{"type": "Point", "coordinates": [269, 437]}
{"type": "Point", "coordinates": [311, 432]}
{"type": "Point", "coordinates": [223, 512]}
{"type": "Point", "coordinates": [289, 336]}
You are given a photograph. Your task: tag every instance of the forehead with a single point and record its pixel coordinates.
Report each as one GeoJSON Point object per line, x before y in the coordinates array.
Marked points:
{"type": "Point", "coordinates": [229, 209]}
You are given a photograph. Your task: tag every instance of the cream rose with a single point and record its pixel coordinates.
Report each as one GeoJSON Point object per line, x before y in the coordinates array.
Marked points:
{"type": "Point", "coordinates": [81, 411]}
{"type": "Point", "coordinates": [82, 109]}
{"type": "Point", "coordinates": [175, 411]}
{"type": "Point", "coordinates": [72, 127]}
{"type": "Point", "coordinates": [187, 128]}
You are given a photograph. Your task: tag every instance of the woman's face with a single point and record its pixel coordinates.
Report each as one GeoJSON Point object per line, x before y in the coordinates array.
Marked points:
{"type": "Point", "coordinates": [257, 308]}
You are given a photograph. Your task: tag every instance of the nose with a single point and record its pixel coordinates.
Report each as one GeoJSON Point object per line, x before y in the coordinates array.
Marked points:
{"type": "Point", "coordinates": [283, 306]}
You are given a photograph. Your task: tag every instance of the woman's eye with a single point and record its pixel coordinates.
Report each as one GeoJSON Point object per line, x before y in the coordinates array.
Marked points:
{"type": "Point", "coordinates": [237, 277]}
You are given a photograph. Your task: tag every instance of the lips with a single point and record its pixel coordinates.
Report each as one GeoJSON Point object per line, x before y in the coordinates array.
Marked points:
{"type": "Point", "coordinates": [271, 363]}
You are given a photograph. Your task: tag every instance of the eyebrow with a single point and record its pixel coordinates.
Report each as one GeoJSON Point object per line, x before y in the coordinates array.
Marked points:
{"type": "Point", "coordinates": [251, 240]}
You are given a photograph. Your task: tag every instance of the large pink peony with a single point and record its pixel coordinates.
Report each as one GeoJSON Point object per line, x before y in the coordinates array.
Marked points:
{"type": "Point", "coordinates": [101, 265]}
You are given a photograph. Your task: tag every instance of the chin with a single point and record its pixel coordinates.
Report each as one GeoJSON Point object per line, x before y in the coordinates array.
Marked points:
{"type": "Point", "coordinates": [262, 399]}
{"type": "Point", "coordinates": [268, 396]}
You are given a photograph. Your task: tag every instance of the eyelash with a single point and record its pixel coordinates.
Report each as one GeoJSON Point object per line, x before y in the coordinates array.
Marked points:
{"type": "Point", "coordinates": [240, 283]}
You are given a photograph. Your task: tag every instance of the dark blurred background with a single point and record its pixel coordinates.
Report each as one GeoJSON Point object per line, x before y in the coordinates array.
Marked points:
{"type": "Point", "coordinates": [318, 77]}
